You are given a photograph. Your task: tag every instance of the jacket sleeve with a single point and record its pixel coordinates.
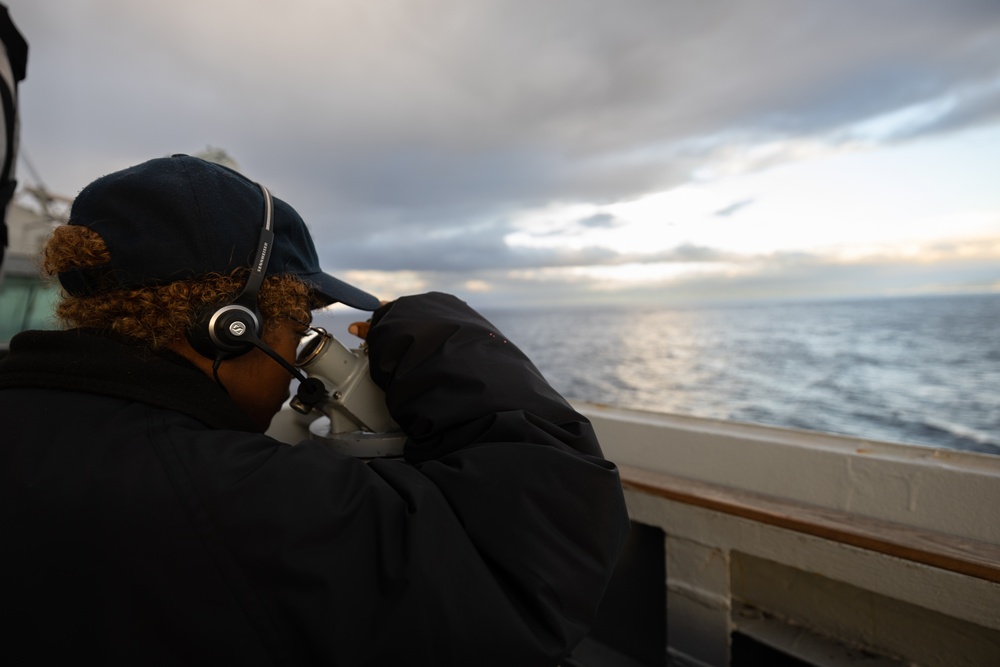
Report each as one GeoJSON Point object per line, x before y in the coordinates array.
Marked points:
{"type": "Point", "coordinates": [453, 380]}
{"type": "Point", "coordinates": [520, 469]}
{"type": "Point", "coordinates": [491, 544]}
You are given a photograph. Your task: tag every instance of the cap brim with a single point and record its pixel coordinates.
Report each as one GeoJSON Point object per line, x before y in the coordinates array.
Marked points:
{"type": "Point", "coordinates": [334, 290]}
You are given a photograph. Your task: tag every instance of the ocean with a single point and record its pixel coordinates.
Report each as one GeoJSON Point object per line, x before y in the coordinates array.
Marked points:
{"type": "Point", "coordinates": [916, 370]}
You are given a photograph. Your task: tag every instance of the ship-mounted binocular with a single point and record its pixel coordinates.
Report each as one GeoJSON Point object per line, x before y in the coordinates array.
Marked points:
{"type": "Point", "coordinates": [355, 419]}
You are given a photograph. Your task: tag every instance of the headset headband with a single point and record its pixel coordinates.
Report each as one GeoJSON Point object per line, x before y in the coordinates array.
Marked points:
{"type": "Point", "coordinates": [258, 269]}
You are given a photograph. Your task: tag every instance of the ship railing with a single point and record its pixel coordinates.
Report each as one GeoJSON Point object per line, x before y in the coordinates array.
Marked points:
{"type": "Point", "coordinates": [754, 544]}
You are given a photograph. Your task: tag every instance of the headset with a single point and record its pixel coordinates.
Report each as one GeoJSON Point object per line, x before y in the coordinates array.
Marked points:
{"type": "Point", "coordinates": [231, 330]}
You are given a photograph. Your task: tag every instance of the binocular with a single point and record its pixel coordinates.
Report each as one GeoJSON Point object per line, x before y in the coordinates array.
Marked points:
{"type": "Point", "coordinates": [355, 418]}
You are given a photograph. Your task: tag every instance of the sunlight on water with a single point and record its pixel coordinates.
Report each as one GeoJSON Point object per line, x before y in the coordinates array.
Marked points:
{"type": "Point", "coordinates": [923, 371]}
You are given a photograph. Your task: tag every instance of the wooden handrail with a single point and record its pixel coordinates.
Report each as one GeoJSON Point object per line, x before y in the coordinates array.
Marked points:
{"type": "Point", "coordinates": [956, 554]}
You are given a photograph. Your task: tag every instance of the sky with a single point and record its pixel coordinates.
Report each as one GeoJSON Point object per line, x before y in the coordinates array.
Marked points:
{"type": "Point", "coordinates": [564, 152]}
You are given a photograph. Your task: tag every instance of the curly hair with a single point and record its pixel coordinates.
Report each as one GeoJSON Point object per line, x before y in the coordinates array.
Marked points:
{"type": "Point", "coordinates": [159, 315]}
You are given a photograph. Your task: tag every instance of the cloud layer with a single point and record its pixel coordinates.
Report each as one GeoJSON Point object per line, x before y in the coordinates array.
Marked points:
{"type": "Point", "coordinates": [411, 134]}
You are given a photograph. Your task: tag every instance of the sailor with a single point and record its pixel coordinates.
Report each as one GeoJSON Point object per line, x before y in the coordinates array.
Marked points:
{"type": "Point", "coordinates": [148, 519]}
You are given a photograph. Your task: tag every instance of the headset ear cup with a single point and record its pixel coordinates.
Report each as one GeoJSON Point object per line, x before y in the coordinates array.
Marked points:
{"type": "Point", "coordinates": [199, 337]}
{"type": "Point", "coordinates": [223, 332]}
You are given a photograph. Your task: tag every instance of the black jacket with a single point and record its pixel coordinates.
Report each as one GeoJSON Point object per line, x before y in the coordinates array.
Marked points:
{"type": "Point", "coordinates": [145, 520]}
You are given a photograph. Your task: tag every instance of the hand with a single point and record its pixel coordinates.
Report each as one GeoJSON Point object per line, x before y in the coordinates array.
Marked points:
{"type": "Point", "coordinates": [360, 329]}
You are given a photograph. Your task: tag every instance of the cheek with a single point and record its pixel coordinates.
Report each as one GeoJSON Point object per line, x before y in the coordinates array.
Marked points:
{"type": "Point", "coordinates": [274, 387]}
{"type": "Point", "coordinates": [287, 344]}
{"type": "Point", "coordinates": [289, 347]}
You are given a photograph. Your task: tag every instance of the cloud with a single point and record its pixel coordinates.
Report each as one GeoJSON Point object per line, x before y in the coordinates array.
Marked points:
{"type": "Point", "coordinates": [691, 274]}
{"type": "Point", "coordinates": [776, 277]}
{"type": "Point", "coordinates": [733, 208]}
{"type": "Point", "coordinates": [401, 99]}
{"type": "Point", "coordinates": [406, 133]}
{"type": "Point", "coordinates": [960, 109]}
{"type": "Point", "coordinates": [600, 221]}
{"type": "Point", "coordinates": [485, 247]}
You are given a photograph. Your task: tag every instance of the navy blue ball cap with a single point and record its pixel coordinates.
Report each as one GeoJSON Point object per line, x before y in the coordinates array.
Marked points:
{"type": "Point", "coordinates": [180, 218]}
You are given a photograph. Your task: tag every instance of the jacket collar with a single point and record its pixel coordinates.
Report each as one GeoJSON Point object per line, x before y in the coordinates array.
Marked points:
{"type": "Point", "coordinates": [92, 362]}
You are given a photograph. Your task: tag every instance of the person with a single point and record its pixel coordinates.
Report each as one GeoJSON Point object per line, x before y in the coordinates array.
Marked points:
{"type": "Point", "coordinates": [148, 519]}
{"type": "Point", "coordinates": [13, 69]}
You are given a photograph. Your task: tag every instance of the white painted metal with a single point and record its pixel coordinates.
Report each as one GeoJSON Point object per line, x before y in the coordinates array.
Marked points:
{"type": "Point", "coordinates": [955, 493]}
{"type": "Point", "coordinates": [817, 598]}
